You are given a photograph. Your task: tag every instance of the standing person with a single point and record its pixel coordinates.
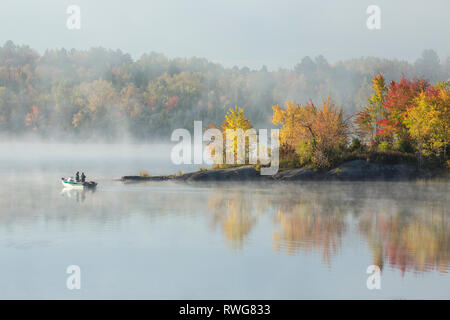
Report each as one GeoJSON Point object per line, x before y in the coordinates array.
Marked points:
{"type": "Point", "coordinates": [77, 177]}
{"type": "Point", "coordinates": [83, 177]}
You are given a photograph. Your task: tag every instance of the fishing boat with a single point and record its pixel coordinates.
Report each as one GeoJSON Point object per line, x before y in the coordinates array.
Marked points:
{"type": "Point", "coordinates": [72, 184]}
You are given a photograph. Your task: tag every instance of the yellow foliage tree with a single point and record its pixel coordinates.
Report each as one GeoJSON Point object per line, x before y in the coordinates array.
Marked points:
{"type": "Point", "coordinates": [428, 122]}
{"type": "Point", "coordinates": [366, 120]}
{"type": "Point", "coordinates": [234, 120]}
{"type": "Point", "coordinates": [316, 134]}
{"type": "Point", "coordinates": [287, 118]}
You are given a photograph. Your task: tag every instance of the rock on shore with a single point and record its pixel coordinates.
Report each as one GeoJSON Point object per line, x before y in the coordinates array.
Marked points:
{"type": "Point", "coordinates": [246, 173]}
{"type": "Point", "coordinates": [362, 170]}
{"type": "Point", "coordinates": [352, 171]}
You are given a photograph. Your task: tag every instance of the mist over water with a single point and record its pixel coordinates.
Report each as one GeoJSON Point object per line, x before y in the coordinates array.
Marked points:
{"type": "Point", "coordinates": [226, 241]}
{"type": "Point", "coordinates": [100, 161]}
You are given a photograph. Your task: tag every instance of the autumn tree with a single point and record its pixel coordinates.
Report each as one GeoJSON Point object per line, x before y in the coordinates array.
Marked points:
{"type": "Point", "coordinates": [154, 94]}
{"type": "Point", "coordinates": [367, 120]}
{"type": "Point", "coordinates": [98, 106]}
{"type": "Point", "coordinates": [428, 122]}
{"type": "Point", "coordinates": [31, 118]}
{"type": "Point", "coordinates": [318, 134]}
{"type": "Point", "coordinates": [236, 123]}
{"type": "Point", "coordinates": [399, 98]}
{"type": "Point", "coordinates": [5, 108]}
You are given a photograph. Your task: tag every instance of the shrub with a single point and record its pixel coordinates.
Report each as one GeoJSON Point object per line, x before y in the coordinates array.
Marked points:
{"type": "Point", "coordinates": [402, 145]}
{"type": "Point", "coordinates": [289, 162]}
{"type": "Point", "coordinates": [391, 157]}
{"type": "Point", "coordinates": [305, 153]}
{"type": "Point", "coordinates": [384, 146]}
{"type": "Point", "coordinates": [349, 156]}
{"type": "Point", "coordinates": [356, 145]}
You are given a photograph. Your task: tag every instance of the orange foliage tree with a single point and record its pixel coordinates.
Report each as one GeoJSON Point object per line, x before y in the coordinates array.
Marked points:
{"type": "Point", "coordinates": [316, 134]}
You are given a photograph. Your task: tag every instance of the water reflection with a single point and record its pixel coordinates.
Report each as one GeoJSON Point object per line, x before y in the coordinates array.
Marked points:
{"type": "Point", "coordinates": [402, 228]}
{"type": "Point", "coordinates": [236, 213]}
{"type": "Point", "coordinates": [77, 195]}
{"type": "Point", "coordinates": [307, 226]}
{"type": "Point", "coordinates": [239, 241]}
{"type": "Point", "coordinates": [408, 240]}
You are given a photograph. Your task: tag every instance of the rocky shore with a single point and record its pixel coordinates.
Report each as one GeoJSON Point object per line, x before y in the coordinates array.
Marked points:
{"type": "Point", "coordinates": [356, 170]}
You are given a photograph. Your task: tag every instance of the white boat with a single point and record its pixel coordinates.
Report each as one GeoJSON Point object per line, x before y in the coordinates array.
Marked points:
{"type": "Point", "coordinates": [70, 183]}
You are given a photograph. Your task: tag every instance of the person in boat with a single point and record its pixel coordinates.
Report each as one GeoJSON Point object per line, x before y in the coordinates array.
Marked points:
{"type": "Point", "coordinates": [83, 177]}
{"type": "Point", "coordinates": [77, 177]}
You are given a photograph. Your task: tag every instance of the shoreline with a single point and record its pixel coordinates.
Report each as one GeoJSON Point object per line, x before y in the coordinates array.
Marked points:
{"type": "Point", "coordinates": [355, 170]}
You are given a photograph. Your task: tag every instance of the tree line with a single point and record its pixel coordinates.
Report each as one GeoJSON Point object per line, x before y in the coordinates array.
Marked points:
{"type": "Point", "coordinates": [105, 93]}
{"type": "Point", "coordinates": [400, 120]}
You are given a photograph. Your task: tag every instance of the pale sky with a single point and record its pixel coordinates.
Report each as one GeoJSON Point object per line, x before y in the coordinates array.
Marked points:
{"type": "Point", "coordinates": [276, 33]}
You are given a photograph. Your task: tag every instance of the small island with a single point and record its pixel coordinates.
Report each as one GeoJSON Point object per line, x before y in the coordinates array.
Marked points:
{"type": "Point", "coordinates": [402, 133]}
{"type": "Point", "coordinates": [355, 170]}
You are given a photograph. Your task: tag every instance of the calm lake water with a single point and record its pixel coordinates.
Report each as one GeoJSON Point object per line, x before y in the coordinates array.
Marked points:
{"type": "Point", "coordinates": [234, 241]}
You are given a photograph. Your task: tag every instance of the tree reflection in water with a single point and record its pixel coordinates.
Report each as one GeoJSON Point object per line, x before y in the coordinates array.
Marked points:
{"type": "Point", "coordinates": [416, 241]}
{"type": "Point", "coordinates": [236, 212]}
{"type": "Point", "coordinates": [404, 228]}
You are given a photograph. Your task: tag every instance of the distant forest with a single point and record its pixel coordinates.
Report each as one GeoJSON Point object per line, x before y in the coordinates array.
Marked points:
{"type": "Point", "coordinates": [103, 93]}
